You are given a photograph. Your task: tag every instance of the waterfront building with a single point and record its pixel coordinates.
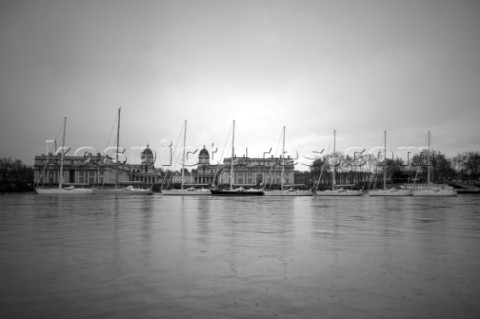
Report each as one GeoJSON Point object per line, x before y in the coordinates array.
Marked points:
{"type": "Point", "coordinates": [205, 173]}
{"type": "Point", "coordinates": [145, 172]}
{"type": "Point", "coordinates": [258, 172]}
{"type": "Point", "coordinates": [95, 169]}
{"type": "Point", "coordinates": [248, 171]}
{"type": "Point", "coordinates": [176, 178]}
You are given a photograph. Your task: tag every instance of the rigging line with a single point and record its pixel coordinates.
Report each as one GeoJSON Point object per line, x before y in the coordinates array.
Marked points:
{"type": "Point", "coordinates": [375, 168]}
{"type": "Point", "coordinates": [176, 159]}
{"type": "Point", "coordinates": [219, 165]}
{"type": "Point", "coordinates": [111, 131]}
{"type": "Point", "coordinates": [323, 165]}
{"type": "Point", "coordinates": [57, 136]}
{"type": "Point", "coordinates": [274, 167]}
{"type": "Point", "coordinates": [225, 146]}
{"type": "Point", "coordinates": [319, 177]}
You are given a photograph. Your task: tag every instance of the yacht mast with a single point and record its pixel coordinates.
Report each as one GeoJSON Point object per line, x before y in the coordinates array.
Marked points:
{"type": "Point", "coordinates": [184, 143]}
{"type": "Point", "coordinates": [428, 159]}
{"type": "Point", "coordinates": [385, 159]}
{"type": "Point", "coordinates": [283, 160]}
{"type": "Point", "coordinates": [334, 156]}
{"type": "Point", "coordinates": [60, 183]}
{"type": "Point", "coordinates": [117, 150]}
{"type": "Point", "coordinates": [233, 154]}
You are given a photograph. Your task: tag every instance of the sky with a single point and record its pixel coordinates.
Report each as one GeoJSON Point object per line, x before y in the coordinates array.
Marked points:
{"type": "Point", "coordinates": [360, 67]}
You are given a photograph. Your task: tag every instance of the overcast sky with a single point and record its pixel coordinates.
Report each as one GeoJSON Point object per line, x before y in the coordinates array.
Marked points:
{"type": "Point", "coordinates": [359, 66]}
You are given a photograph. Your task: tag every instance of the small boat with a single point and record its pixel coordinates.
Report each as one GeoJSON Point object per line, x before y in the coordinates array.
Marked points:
{"type": "Point", "coordinates": [390, 192]}
{"type": "Point", "coordinates": [186, 191]}
{"type": "Point", "coordinates": [462, 188]}
{"type": "Point", "coordinates": [402, 191]}
{"type": "Point", "coordinates": [289, 192]}
{"type": "Point", "coordinates": [237, 191]}
{"type": "Point", "coordinates": [69, 190]}
{"type": "Point", "coordinates": [431, 189]}
{"type": "Point", "coordinates": [340, 191]}
{"type": "Point", "coordinates": [337, 190]}
{"type": "Point", "coordinates": [117, 190]}
{"type": "Point", "coordinates": [191, 190]}
{"type": "Point", "coordinates": [64, 191]}
{"type": "Point", "coordinates": [129, 190]}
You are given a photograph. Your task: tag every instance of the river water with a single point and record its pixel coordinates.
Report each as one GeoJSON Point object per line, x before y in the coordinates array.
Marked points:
{"type": "Point", "coordinates": [208, 257]}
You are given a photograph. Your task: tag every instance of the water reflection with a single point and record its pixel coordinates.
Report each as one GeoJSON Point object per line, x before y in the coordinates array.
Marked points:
{"type": "Point", "coordinates": [239, 258]}
{"type": "Point", "coordinates": [203, 220]}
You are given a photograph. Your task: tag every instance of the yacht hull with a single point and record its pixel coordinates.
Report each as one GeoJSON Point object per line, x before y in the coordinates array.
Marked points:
{"type": "Point", "coordinates": [339, 192]}
{"type": "Point", "coordinates": [220, 192]}
{"type": "Point", "coordinates": [390, 192]}
{"type": "Point", "coordinates": [185, 192]}
{"type": "Point", "coordinates": [123, 191]}
{"type": "Point", "coordinates": [64, 191]}
{"type": "Point", "coordinates": [288, 193]}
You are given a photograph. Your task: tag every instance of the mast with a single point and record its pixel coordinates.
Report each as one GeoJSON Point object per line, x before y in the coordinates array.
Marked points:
{"type": "Point", "coordinates": [334, 151]}
{"type": "Point", "coordinates": [60, 183]}
{"type": "Point", "coordinates": [184, 143]}
{"type": "Point", "coordinates": [428, 159]}
{"type": "Point", "coordinates": [283, 160]}
{"type": "Point", "coordinates": [385, 158]}
{"type": "Point", "coordinates": [117, 150]}
{"type": "Point", "coordinates": [233, 154]}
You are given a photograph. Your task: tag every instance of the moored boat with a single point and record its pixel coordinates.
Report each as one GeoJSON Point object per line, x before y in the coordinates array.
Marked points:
{"type": "Point", "coordinates": [429, 188]}
{"type": "Point", "coordinates": [390, 192]}
{"type": "Point", "coordinates": [185, 191]}
{"type": "Point", "coordinates": [289, 192]}
{"type": "Point", "coordinates": [394, 191]}
{"type": "Point", "coordinates": [337, 190]}
{"type": "Point", "coordinates": [283, 191]}
{"type": "Point", "coordinates": [64, 191]}
{"type": "Point", "coordinates": [129, 190]}
{"type": "Point", "coordinates": [235, 191]}
{"type": "Point", "coordinates": [117, 189]}
{"type": "Point", "coordinates": [69, 190]}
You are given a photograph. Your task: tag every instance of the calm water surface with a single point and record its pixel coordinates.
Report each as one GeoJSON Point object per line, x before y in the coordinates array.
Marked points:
{"type": "Point", "coordinates": [205, 257]}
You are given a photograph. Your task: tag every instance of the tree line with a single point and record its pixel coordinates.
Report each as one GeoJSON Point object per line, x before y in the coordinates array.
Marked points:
{"type": "Point", "coordinates": [368, 172]}
{"type": "Point", "coordinates": [15, 176]}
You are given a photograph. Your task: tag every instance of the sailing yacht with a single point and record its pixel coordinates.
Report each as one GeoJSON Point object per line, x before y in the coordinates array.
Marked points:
{"type": "Point", "coordinates": [385, 191]}
{"type": "Point", "coordinates": [286, 191]}
{"type": "Point", "coordinates": [237, 191]}
{"type": "Point", "coordinates": [70, 190]}
{"type": "Point", "coordinates": [337, 190]}
{"type": "Point", "coordinates": [117, 190]}
{"type": "Point", "coordinates": [431, 189]}
{"type": "Point", "coordinates": [183, 190]}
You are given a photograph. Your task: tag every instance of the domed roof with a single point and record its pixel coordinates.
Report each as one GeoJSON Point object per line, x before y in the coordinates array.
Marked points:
{"type": "Point", "coordinates": [147, 151]}
{"type": "Point", "coordinates": [203, 152]}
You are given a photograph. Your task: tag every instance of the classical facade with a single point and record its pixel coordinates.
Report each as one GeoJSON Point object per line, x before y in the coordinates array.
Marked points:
{"type": "Point", "coordinates": [96, 169]}
{"type": "Point", "coordinates": [258, 172]}
{"type": "Point", "coordinates": [145, 172]}
{"type": "Point", "coordinates": [248, 172]}
{"type": "Point", "coordinates": [205, 173]}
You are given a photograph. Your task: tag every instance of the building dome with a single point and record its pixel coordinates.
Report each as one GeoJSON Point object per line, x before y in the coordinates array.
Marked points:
{"type": "Point", "coordinates": [147, 151]}
{"type": "Point", "coordinates": [203, 157]}
{"type": "Point", "coordinates": [147, 156]}
{"type": "Point", "coordinates": [204, 152]}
